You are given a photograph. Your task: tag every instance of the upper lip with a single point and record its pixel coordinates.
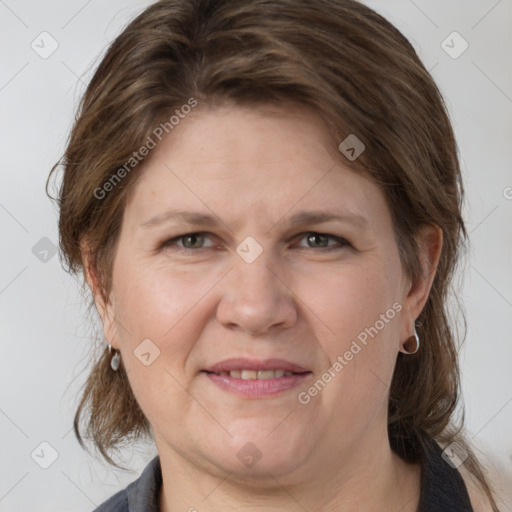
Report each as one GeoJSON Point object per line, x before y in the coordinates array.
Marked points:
{"type": "Point", "coordinates": [242, 363]}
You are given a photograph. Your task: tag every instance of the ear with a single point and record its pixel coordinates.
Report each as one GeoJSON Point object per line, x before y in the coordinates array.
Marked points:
{"type": "Point", "coordinates": [429, 241]}
{"type": "Point", "coordinates": [104, 305]}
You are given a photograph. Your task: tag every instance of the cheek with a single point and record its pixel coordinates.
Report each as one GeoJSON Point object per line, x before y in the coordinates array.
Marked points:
{"type": "Point", "coordinates": [349, 302]}
{"type": "Point", "coordinates": [358, 323]}
{"type": "Point", "coordinates": [153, 300]}
{"type": "Point", "coordinates": [165, 306]}
{"type": "Point", "coordinates": [359, 345]}
{"type": "Point", "coordinates": [154, 309]}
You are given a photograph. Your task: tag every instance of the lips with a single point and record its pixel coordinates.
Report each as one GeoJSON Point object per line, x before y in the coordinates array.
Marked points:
{"type": "Point", "coordinates": [257, 388]}
{"type": "Point", "coordinates": [252, 378]}
{"type": "Point", "coordinates": [256, 369]}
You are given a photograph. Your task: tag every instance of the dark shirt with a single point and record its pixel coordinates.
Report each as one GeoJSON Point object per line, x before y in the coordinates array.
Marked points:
{"type": "Point", "coordinates": [442, 488]}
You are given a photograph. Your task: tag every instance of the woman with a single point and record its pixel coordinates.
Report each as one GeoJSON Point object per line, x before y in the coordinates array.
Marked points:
{"type": "Point", "coordinates": [265, 200]}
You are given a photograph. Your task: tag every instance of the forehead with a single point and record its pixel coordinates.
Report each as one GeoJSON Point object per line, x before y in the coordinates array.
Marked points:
{"type": "Point", "coordinates": [243, 161]}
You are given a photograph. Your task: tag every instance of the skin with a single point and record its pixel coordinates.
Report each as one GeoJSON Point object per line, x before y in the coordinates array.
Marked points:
{"type": "Point", "coordinates": [202, 303]}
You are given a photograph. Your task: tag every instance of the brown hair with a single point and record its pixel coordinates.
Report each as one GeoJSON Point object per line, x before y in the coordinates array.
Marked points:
{"type": "Point", "coordinates": [352, 67]}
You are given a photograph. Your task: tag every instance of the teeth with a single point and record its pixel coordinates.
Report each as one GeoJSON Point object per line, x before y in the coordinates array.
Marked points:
{"type": "Point", "coordinates": [249, 374]}
{"type": "Point", "coordinates": [256, 374]}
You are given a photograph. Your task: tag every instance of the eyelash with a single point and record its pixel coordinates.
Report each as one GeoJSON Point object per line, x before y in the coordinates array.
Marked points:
{"type": "Point", "coordinates": [342, 241]}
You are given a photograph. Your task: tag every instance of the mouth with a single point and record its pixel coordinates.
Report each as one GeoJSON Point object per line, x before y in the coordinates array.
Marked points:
{"type": "Point", "coordinates": [245, 374]}
{"type": "Point", "coordinates": [256, 379]}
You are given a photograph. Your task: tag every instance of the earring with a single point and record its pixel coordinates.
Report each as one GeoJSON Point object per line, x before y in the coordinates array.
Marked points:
{"type": "Point", "coordinates": [411, 345]}
{"type": "Point", "coordinates": [116, 359]}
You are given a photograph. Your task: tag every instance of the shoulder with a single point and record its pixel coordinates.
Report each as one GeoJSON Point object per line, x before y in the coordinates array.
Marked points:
{"type": "Point", "coordinates": [142, 495]}
{"type": "Point", "coordinates": [479, 499]}
{"type": "Point", "coordinates": [116, 503]}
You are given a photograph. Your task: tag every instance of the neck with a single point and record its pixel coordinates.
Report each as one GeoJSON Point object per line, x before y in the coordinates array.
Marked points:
{"type": "Point", "coordinates": [368, 476]}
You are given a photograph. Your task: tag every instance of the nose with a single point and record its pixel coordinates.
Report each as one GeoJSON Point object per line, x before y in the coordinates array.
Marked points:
{"type": "Point", "coordinates": [257, 298]}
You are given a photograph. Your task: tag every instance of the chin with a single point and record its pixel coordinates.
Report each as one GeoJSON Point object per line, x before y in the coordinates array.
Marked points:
{"type": "Point", "coordinates": [260, 448]}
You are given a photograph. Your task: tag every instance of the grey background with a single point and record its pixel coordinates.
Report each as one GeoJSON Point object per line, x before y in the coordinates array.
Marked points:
{"type": "Point", "coordinates": [44, 330]}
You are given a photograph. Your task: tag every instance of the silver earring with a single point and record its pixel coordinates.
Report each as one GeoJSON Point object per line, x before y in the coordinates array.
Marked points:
{"type": "Point", "coordinates": [412, 344]}
{"type": "Point", "coordinates": [116, 359]}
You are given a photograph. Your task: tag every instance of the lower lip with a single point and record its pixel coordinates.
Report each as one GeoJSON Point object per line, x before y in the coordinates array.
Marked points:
{"type": "Point", "coordinates": [255, 387]}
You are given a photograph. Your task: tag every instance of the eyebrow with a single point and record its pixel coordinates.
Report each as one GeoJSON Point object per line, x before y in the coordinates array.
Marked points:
{"type": "Point", "coordinates": [303, 217]}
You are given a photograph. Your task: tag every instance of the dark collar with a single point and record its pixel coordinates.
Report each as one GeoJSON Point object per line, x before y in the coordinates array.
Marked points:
{"type": "Point", "coordinates": [143, 495]}
{"type": "Point", "coordinates": [442, 486]}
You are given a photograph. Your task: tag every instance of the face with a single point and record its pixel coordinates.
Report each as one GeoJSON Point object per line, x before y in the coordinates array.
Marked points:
{"type": "Point", "coordinates": [258, 278]}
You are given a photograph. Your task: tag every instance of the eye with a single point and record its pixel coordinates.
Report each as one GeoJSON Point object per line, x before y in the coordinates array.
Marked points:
{"type": "Point", "coordinates": [321, 240]}
{"type": "Point", "coordinates": [190, 241]}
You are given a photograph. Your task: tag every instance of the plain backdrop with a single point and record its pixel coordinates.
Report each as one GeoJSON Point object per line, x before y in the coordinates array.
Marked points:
{"type": "Point", "coordinates": [44, 329]}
